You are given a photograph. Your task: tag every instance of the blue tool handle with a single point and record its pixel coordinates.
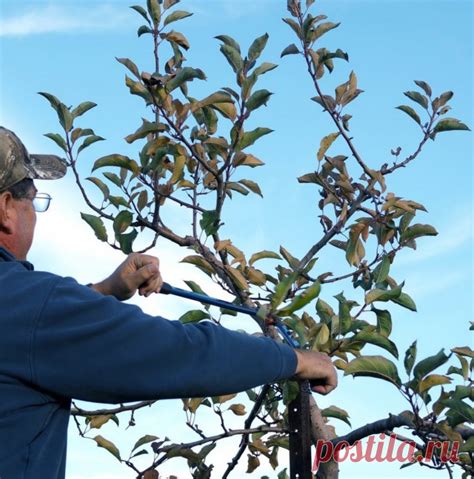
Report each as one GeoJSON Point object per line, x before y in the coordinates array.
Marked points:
{"type": "Point", "coordinates": [202, 298]}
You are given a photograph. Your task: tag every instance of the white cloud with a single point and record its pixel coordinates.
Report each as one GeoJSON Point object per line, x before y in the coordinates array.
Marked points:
{"type": "Point", "coordinates": [64, 19]}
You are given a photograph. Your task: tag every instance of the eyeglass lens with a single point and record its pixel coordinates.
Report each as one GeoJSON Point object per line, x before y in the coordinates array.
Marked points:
{"type": "Point", "coordinates": [41, 202]}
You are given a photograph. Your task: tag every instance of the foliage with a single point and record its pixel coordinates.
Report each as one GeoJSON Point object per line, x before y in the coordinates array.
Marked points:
{"type": "Point", "coordinates": [197, 153]}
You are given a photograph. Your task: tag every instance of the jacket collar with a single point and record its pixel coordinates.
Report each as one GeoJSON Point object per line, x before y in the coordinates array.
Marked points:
{"type": "Point", "coordinates": [6, 256]}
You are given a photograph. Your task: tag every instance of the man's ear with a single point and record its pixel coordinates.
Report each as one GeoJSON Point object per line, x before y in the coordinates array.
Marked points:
{"type": "Point", "coordinates": [6, 212]}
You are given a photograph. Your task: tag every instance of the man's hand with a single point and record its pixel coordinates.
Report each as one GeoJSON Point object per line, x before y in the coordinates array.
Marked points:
{"type": "Point", "coordinates": [318, 368]}
{"type": "Point", "coordinates": [138, 272]}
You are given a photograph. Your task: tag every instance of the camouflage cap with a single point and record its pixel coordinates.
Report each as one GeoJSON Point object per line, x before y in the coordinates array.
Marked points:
{"type": "Point", "coordinates": [16, 163]}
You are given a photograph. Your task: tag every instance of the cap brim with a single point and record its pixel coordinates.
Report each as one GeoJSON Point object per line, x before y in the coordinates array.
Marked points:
{"type": "Point", "coordinates": [46, 167]}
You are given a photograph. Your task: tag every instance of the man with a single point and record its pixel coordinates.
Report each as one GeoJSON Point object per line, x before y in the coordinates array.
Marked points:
{"type": "Point", "coordinates": [60, 340]}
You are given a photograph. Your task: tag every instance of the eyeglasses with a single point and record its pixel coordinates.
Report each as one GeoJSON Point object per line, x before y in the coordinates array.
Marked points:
{"type": "Point", "coordinates": [41, 202]}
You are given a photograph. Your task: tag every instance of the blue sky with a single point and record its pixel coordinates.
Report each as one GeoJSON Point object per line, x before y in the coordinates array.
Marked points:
{"type": "Point", "coordinates": [68, 49]}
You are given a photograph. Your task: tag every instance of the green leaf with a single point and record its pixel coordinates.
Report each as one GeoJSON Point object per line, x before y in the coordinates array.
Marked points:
{"type": "Point", "coordinates": [193, 316]}
{"type": "Point", "coordinates": [82, 108]}
{"type": "Point", "coordinates": [459, 412]}
{"type": "Point", "coordinates": [290, 50]}
{"type": "Point", "coordinates": [122, 221]}
{"type": "Point", "coordinates": [406, 301]}
{"type": "Point", "coordinates": [184, 75]}
{"type": "Point", "coordinates": [53, 101]}
{"type": "Point", "coordinates": [79, 133]}
{"type": "Point", "coordinates": [301, 300]}
{"type": "Point", "coordinates": [97, 225]}
{"type": "Point", "coordinates": [410, 112]}
{"type": "Point", "coordinates": [322, 29]}
{"type": "Point", "coordinates": [410, 357]}
{"type": "Point", "coordinates": [118, 161]}
{"type": "Point", "coordinates": [468, 446]}
{"type": "Point", "coordinates": [294, 26]}
{"type": "Point", "coordinates": [373, 337]}
{"type": "Point", "coordinates": [233, 57]}
{"type": "Point", "coordinates": [282, 289]}
{"type": "Point", "coordinates": [175, 16]}
{"type": "Point", "coordinates": [199, 262]}
{"type": "Point", "coordinates": [263, 254]}
{"type": "Point", "coordinates": [424, 86]}
{"type": "Point", "coordinates": [265, 67]}
{"type": "Point", "coordinates": [290, 390]}
{"type": "Point", "coordinates": [418, 98]}
{"type": "Point", "coordinates": [250, 137]}
{"type": "Point", "coordinates": [169, 3]}
{"type": "Point", "coordinates": [154, 10]}
{"type": "Point", "coordinates": [217, 97]}
{"type": "Point", "coordinates": [118, 201]}
{"type": "Point", "coordinates": [405, 221]}
{"type": "Point", "coordinates": [65, 117]}
{"type": "Point", "coordinates": [449, 124]}
{"type": "Point", "coordinates": [432, 380]}
{"type": "Point", "coordinates": [416, 231]}
{"type": "Point", "coordinates": [58, 139]}
{"type": "Point", "coordinates": [257, 99]}
{"type": "Point", "coordinates": [336, 412]}
{"type": "Point", "coordinates": [144, 29]}
{"type": "Point", "coordinates": [130, 65]}
{"type": "Point", "coordinates": [113, 178]}
{"type": "Point", "coordinates": [141, 11]}
{"type": "Point", "coordinates": [382, 294]}
{"type": "Point", "coordinates": [344, 316]}
{"type": "Point", "coordinates": [227, 40]}
{"type": "Point", "coordinates": [374, 366]}
{"type": "Point", "coordinates": [144, 130]}
{"type": "Point", "coordinates": [137, 88]}
{"type": "Point", "coordinates": [101, 185]}
{"type": "Point", "coordinates": [210, 222]}
{"type": "Point", "coordinates": [257, 47]}
{"type": "Point", "coordinates": [126, 241]}
{"type": "Point", "coordinates": [89, 141]}
{"type": "Point", "coordinates": [381, 271]}
{"type": "Point", "coordinates": [193, 286]}
{"type": "Point", "coordinates": [463, 392]}
{"type": "Point", "coordinates": [444, 98]}
{"type": "Point", "coordinates": [109, 446]}
{"type": "Point", "coordinates": [310, 178]}
{"type": "Point", "coordinates": [429, 364]}
{"type": "Point", "coordinates": [144, 440]}
{"type": "Point", "coordinates": [325, 312]}
{"type": "Point", "coordinates": [384, 321]}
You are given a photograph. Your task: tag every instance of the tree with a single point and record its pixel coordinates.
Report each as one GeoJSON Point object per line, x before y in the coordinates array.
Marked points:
{"type": "Point", "coordinates": [197, 153]}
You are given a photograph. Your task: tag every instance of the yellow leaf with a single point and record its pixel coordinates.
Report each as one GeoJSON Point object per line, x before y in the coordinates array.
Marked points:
{"type": "Point", "coordinates": [179, 163]}
{"type": "Point", "coordinates": [237, 277]}
{"type": "Point", "coordinates": [238, 409]}
{"type": "Point", "coordinates": [98, 421]}
{"type": "Point", "coordinates": [326, 142]}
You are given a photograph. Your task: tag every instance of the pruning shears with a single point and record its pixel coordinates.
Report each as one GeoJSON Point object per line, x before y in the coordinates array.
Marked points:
{"type": "Point", "coordinates": [298, 409]}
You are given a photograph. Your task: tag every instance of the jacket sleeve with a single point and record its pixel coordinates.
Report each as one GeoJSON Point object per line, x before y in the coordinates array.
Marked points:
{"type": "Point", "coordinates": [95, 348]}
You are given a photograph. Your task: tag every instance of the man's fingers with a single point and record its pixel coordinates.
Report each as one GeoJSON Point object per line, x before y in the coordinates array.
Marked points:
{"type": "Point", "coordinates": [318, 368]}
{"type": "Point", "coordinates": [148, 279]}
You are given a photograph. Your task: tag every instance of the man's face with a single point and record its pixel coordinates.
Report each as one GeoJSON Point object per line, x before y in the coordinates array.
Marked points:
{"type": "Point", "coordinates": [26, 222]}
{"type": "Point", "coordinates": [17, 222]}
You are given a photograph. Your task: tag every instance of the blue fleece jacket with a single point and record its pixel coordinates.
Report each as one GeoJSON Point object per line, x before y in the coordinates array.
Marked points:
{"type": "Point", "coordinates": [61, 340]}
